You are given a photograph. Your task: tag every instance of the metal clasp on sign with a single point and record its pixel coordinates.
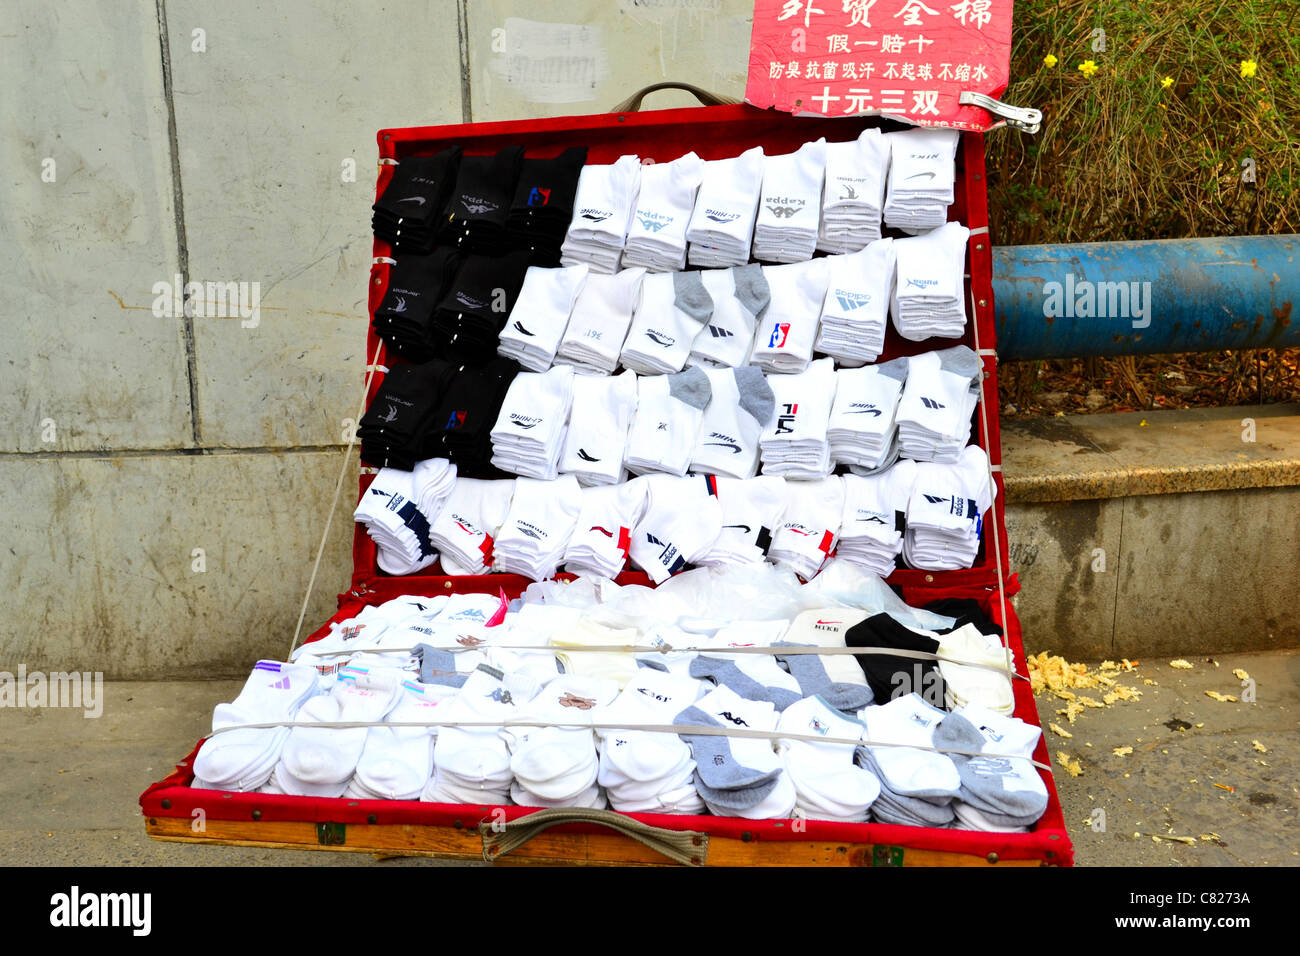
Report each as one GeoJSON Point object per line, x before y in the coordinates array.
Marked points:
{"type": "Point", "coordinates": [1017, 117]}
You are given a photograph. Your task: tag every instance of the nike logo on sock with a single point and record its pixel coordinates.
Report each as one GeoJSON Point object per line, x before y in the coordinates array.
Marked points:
{"type": "Point", "coordinates": [745, 527]}
{"type": "Point", "coordinates": [735, 449]}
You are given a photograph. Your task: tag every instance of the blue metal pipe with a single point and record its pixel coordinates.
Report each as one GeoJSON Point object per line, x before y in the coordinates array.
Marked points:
{"type": "Point", "coordinates": [1138, 298]}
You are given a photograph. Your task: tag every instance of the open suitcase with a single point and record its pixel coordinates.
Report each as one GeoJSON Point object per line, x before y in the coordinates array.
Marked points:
{"type": "Point", "coordinates": [411, 828]}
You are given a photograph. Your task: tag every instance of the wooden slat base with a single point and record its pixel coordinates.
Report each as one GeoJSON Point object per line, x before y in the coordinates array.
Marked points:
{"type": "Point", "coordinates": [548, 847]}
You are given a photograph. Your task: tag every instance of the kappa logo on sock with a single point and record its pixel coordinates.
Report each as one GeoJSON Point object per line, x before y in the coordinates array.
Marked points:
{"type": "Point", "coordinates": [726, 442]}
{"type": "Point", "coordinates": [653, 221]}
{"type": "Point", "coordinates": [931, 403]}
{"type": "Point", "coordinates": [400, 305]}
{"type": "Point", "coordinates": [520, 327]}
{"type": "Point", "coordinates": [420, 199]}
{"type": "Point", "coordinates": [468, 640]}
{"type": "Point", "coordinates": [478, 205]}
{"type": "Point", "coordinates": [595, 215]}
{"type": "Point", "coordinates": [785, 422]}
{"type": "Point", "coordinates": [455, 420]}
{"type": "Point", "coordinates": [392, 414]}
{"type": "Point", "coordinates": [537, 196]}
{"type": "Point", "coordinates": [738, 721]}
{"type": "Point", "coordinates": [524, 421]}
{"type": "Point", "coordinates": [783, 212]}
{"type": "Point", "coordinates": [469, 302]}
{"type": "Point", "coordinates": [659, 338]}
{"type": "Point", "coordinates": [922, 283]}
{"type": "Point", "coordinates": [585, 457]}
{"type": "Point", "coordinates": [817, 727]}
{"type": "Point", "coordinates": [717, 215]}
{"type": "Point", "coordinates": [863, 408]}
{"type": "Point", "coordinates": [718, 332]}
{"type": "Point", "coordinates": [619, 741]}
{"type": "Point", "coordinates": [501, 696]}
{"type": "Point", "coordinates": [852, 300]}
{"type": "Point", "coordinates": [779, 333]}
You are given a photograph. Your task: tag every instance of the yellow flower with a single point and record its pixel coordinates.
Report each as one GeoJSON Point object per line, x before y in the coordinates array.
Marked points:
{"type": "Point", "coordinates": [1050, 60]}
{"type": "Point", "coordinates": [1087, 68]}
{"type": "Point", "coordinates": [1247, 69]}
{"type": "Point", "coordinates": [1167, 82]}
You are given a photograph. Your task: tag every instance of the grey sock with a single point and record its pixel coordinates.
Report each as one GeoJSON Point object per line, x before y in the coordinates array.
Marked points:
{"type": "Point", "coordinates": [715, 765]}
{"type": "Point", "coordinates": [894, 368]}
{"type": "Point", "coordinates": [984, 779]}
{"type": "Point", "coordinates": [437, 667]}
{"type": "Point", "coordinates": [692, 387]}
{"type": "Point", "coordinates": [741, 798]}
{"type": "Point", "coordinates": [813, 680]}
{"type": "Point", "coordinates": [922, 801]}
{"type": "Point", "coordinates": [960, 360]}
{"type": "Point", "coordinates": [752, 290]}
{"type": "Point", "coordinates": [691, 297]}
{"type": "Point", "coordinates": [731, 676]}
{"type": "Point", "coordinates": [756, 396]}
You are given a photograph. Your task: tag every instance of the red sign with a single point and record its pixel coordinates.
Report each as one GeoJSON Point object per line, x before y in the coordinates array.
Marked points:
{"type": "Point", "coordinates": [907, 59]}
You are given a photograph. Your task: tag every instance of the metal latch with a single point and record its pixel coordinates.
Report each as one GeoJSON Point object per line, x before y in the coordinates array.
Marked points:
{"type": "Point", "coordinates": [1017, 117]}
{"type": "Point", "coordinates": [886, 856]}
{"type": "Point", "coordinates": [332, 834]}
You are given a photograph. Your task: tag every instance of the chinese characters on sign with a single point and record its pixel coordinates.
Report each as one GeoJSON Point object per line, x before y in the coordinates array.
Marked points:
{"type": "Point", "coordinates": [906, 58]}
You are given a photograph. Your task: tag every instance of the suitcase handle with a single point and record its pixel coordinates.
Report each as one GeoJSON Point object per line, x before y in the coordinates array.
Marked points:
{"type": "Point", "coordinates": [681, 846]}
{"type": "Point", "coordinates": [633, 103]}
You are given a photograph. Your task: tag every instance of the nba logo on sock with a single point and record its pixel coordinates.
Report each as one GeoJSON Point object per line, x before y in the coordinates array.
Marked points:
{"type": "Point", "coordinates": [779, 333]}
{"type": "Point", "coordinates": [455, 420]}
{"type": "Point", "coordinates": [539, 196]}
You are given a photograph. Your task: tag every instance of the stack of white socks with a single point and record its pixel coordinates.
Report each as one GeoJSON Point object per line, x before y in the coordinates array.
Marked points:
{"type": "Point", "coordinates": [861, 428]}
{"type": "Point", "coordinates": [828, 784]}
{"type": "Point", "coordinates": [934, 413]}
{"type": "Point", "coordinates": [856, 308]}
{"type": "Point", "coordinates": [540, 315]}
{"type": "Point", "coordinates": [751, 510]}
{"type": "Point", "coordinates": [673, 308]}
{"type": "Point", "coordinates": [601, 317]}
{"type": "Point", "coordinates": [542, 518]}
{"type": "Point", "coordinates": [602, 210]}
{"type": "Point", "coordinates": [722, 222]}
{"type": "Point", "coordinates": [922, 172]}
{"type": "Point", "coordinates": [929, 286]}
{"type": "Point", "coordinates": [794, 442]}
{"type": "Point", "coordinates": [596, 442]}
{"type": "Point", "coordinates": [917, 787]}
{"type": "Point", "coordinates": [398, 509]}
{"type": "Point", "coordinates": [656, 239]}
{"type": "Point", "coordinates": [854, 195]}
{"type": "Point", "coordinates": [557, 766]}
{"type": "Point", "coordinates": [1003, 794]}
{"type": "Point", "coordinates": [397, 762]}
{"type": "Point", "coordinates": [789, 206]}
{"type": "Point", "coordinates": [669, 410]}
{"type": "Point", "coordinates": [242, 760]}
{"type": "Point", "coordinates": [966, 684]}
{"type": "Point", "coordinates": [646, 771]}
{"type": "Point", "coordinates": [468, 524]}
{"type": "Point", "coordinates": [783, 340]}
{"type": "Point", "coordinates": [681, 522]}
{"type": "Point", "coordinates": [874, 519]}
{"type": "Point", "coordinates": [603, 534]}
{"type": "Point", "coordinates": [945, 515]}
{"type": "Point", "coordinates": [472, 764]}
{"type": "Point", "coordinates": [739, 297]}
{"type": "Point", "coordinates": [529, 433]}
{"type": "Point", "coordinates": [808, 531]}
{"type": "Point", "coordinates": [740, 405]}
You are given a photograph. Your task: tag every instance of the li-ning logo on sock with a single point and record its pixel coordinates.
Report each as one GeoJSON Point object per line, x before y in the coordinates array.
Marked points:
{"type": "Point", "coordinates": [863, 408]}
{"type": "Point", "coordinates": [931, 403]}
{"type": "Point", "coordinates": [538, 196]}
{"type": "Point", "coordinates": [726, 442]}
{"type": "Point", "coordinates": [455, 420]}
{"type": "Point", "coordinates": [779, 333]}
{"type": "Point", "coordinates": [720, 333]}
{"type": "Point", "coordinates": [717, 215]}
{"type": "Point", "coordinates": [596, 527]}
{"type": "Point", "coordinates": [738, 721]}
{"type": "Point", "coordinates": [852, 300]}
{"type": "Point", "coordinates": [585, 457]}
{"type": "Point", "coordinates": [659, 338]}
{"type": "Point", "coordinates": [400, 304]}
{"type": "Point", "coordinates": [785, 422]}
{"type": "Point", "coordinates": [595, 215]}
{"type": "Point", "coordinates": [653, 221]}
{"type": "Point", "coordinates": [524, 421]}
{"type": "Point", "coordinates": [520, 327]}
{"type": "Point", "coordinates": [922, 283]}
{"type": "Point", "coordinates": [469, 302]}
{"type": "Point", "coordinates": [477, 205]}
{"type": "Point", "coordinates": [571, 699]}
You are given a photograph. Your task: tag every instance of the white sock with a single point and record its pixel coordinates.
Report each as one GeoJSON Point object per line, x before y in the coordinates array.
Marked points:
{"type": "Point", "coordinates": [807, 533]}
{"type": "Point", "coordinates": [681, 522]}
{"type": "Point", "coordinates": [468, 523]}
{"type": "Point", "coordinates": [602, 211]}
{"type": "Point", "coordinates": [656, 238]}
{"type": "Point", "coordinates": [669, 411]}
{"type": "Point", "coordinates": [529, 432]}
{"type": "Point", "coordinates": [537, 321]}
{"type": "Point", "coordinates": [783, 339]}
{"type": "Point", "coordinates": [751, 511]}
{"type": "Point", "coordinates": [856, 307]}
{"type": "Point", "coordinates": [542, 518]}
{"type": "Point", "coordinates": [794, 441]}
{"type": "Point", "coordinates": [596, 442]}
{"type": "Point", "coordinates": [722, 222]}
{"type": "Point", "coordinates": [789, 206]}
{"type": "Point", "coordinates": [673, 308]}
{"type": "Point", "coordinates": [601, 317]}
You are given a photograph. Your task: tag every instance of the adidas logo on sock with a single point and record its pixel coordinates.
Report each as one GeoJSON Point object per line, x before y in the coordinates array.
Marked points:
{"type": "Point", "coordinates": [281, 684]}
{"type": "Point", "coordinates": [720, 333]}
{"type": "Point", "coordinates": [931, 403]}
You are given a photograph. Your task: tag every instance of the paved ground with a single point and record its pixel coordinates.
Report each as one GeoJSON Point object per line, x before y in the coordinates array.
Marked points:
{"type": "Point", "coordinates": [70, 784]}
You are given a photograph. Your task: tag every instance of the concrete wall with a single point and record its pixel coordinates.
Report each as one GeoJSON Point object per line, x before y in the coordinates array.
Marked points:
{"type": "Point", "coordinates": [164, 480]}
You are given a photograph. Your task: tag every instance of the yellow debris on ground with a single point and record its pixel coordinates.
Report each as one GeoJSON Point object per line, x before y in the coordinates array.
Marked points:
{"type": "Point", "coordinates": [1149, 681]}
{"type": "Point", "coordinates": [1240, 673]}
{"type": "Point", "coordinates": [1071, 711]}
{"type": "Point", "coordinates": [1059, 730]}
{"type": "Point", "coordinates": [1122, 751]}
{"type": "Point", "coordinates": [1258, 746]}
{"type": "Point", "coordinates": [1222, 698]}
{"type": "Point", "coordinates": [1072, 767]}
{"type": "Point", "coordinates": [1210, 836]}
{"type": "Point", "coordinates": [1181, 664]}
{"type": "Point", "coordinates": [1157, 837]}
